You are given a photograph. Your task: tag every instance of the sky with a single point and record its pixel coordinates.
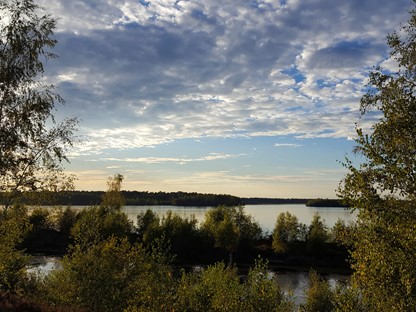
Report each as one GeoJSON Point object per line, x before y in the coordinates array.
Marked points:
{"type": "Point", "coordinates": [249, 98]}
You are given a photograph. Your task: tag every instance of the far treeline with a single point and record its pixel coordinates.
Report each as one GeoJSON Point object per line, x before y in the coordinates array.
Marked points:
{"type": "Point", "coordinates": [131, 198]}
{"type": "Point", "coordinates": [143, 198]}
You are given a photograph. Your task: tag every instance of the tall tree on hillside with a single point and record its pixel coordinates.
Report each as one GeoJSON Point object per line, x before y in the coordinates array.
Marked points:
{"type": "Point", "coordinates": [383, 188]}
{"type": "Point", "coordinates": [32, 144]}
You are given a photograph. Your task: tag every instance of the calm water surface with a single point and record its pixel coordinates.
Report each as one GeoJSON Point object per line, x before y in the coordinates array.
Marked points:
{"type": "Point", "coordinates": [265, 214]}
{"type": "Point", "coordinates": [289, 281]}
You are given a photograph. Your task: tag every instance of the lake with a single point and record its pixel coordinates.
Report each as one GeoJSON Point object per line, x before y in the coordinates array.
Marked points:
{"type": "Point", "coordinates": [291, 282]}
{"type": "Point", "coordinates": [264, 214]}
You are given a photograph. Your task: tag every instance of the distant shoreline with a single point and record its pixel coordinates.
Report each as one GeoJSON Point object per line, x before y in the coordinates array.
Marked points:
{"type": "Point", "coordinates": [142, 198]}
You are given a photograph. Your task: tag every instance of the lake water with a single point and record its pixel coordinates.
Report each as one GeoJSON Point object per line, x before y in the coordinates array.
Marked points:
{"type": "Point", "coordinates": [291, 282]}
{"type": "Point", "coordinates": [294, 282]}
{"type": "Point", "coordinates": [265, 214]}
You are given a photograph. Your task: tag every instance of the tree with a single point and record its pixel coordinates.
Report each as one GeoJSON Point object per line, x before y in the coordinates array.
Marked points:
{"type": "Point", "coordinates": [250, 230]}
{"type": "Point", "coordinates": [31, 152]}
{"type": "Point", "coordinates": [113, 198]}
{"type": "Point", "coordinates": [318, 235]}
{"type": "Point", "coordinates": [148, 226]}
{"type": "Point", "coordinates": [383, 188]}
{"type": "Point", "coordinates": [219, 288]}
{"type": "Point", "coordinates": [109, 276]}
{"type": "Point", "coordinates": [14, 225]}
{"type": "Point", "coordinates": [222, 227]}
{"type": "Point", "coordinates": [286, 231]}
{"type": "Point", "coordinates": [319, 295]}
{"type": "Point", "coordinates": [98, 223]}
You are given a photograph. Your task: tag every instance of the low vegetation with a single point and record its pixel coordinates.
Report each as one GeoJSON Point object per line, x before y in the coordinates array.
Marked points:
{"type": "Point", "coordinates": [111, 264]}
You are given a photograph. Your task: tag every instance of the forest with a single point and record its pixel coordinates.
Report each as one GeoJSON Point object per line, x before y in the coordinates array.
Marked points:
{"type": "Point", "coordinates": [145, 198]}
{"type": "Point", "coordinates": [131, 198]}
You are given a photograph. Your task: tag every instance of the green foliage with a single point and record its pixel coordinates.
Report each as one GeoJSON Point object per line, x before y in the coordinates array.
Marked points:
{"type": "Point", "coordinates": [348, 299]}
{"type": "Point", "coordinates": [230, 228]}
{"type": "Point", "coordinates": [287, 230]}
{"type": "Point", "coordinates": [317, 236]}
{"type": "Point", "coordinates": [250, 230]}
{"type": "Point", "coordinates": [65, 220]}
{"type": "Point", "coordinates": [222, 227]}
{"type": "Point", "coordinates": [102, 278]}
{"type": "Point", "coordinates": [262, 292]}
{"type": "Point", "coordinates": [218, 288]}
{"type": "Point", "coordinates": [147, 226]}
{"type": "Point", "coordinates": [319, 296]}
{"type": "Point", "coordinates": [39, 218]}
{"type": "Point", "coordinates": [14, 225]}
{"type": "Point", "coordinates": [31, 152]}
{"type": "Point", "coordinates": [383, 188]}
{"type": "Point", "coordinates": [98, 223]}
{"type": "Point", "coordinates": [338, 232]}
{"type": "Point", "coordinates": [182, 232]}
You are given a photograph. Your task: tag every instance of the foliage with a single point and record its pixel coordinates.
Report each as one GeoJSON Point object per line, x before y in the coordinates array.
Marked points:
{"type": "Point", "coordinates": [231, 228]}
{"type": "Point", "coordinates": [262, 292]}
{"type": "Point", "coordinates": [383, 188]}
{"type": "Point", "coordinates": [113, 198]}
{"type": "Point", "coordinates": [222, 228]}
{"type": "Point", "coordinates": [343, 233]}
{"type": "Point", "coordinates": [39, 218]}
{"type": "Point", "coordinates": [131, 198]}
{"type": "Point", "coordinates": [218, 288]}
{"type": "Point", "coordinates": [319, 296]}
{"type": "Point", "coordinates": [98, 223]}
{"type": "Point", "coordinates": [182, 232]}
{"type": "Point", "coordinates": [250, 230]}
{"type": "Point", "coordinates": [348, 299]}
{"type": "Point", "coordinates": [14, 225]}
{"type": "Point", "coordinates": [285, 232]}
{"type": "Point", "coordinates": [148, 226]}
{"type": "Point", "coordinates": [65, 219]}
{"type": "Point", "coordinates": [102, 278]}
{"type": "Point", "coordinates": [31, 152]}
{"type": "Point", "coordinates": [318, 235]}
{"type": "Point", "coordinates": [320, 202]}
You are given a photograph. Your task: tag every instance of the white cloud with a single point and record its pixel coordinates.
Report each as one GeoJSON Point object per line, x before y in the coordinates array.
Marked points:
{"type": "Point", "coordinates": [146, 74]}
{"type": "Point", "coordinates": [161, 160]}
{"type": "Point", "coordinates": [287, 145]}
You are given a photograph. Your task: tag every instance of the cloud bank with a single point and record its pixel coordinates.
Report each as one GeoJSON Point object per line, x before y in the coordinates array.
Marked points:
{"type": "Point", "coordinates": [142, 73]}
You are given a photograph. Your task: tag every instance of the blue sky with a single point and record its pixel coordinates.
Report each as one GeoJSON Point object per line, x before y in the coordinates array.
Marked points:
{"type": "Point", "coordinates": [250, 98]}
